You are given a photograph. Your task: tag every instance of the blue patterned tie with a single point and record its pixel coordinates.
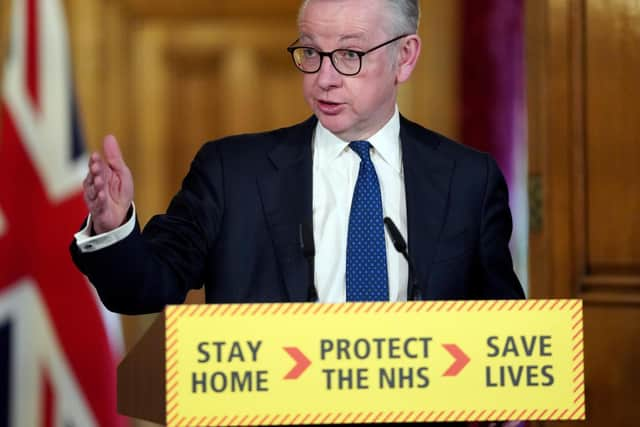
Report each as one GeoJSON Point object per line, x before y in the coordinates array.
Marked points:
{"type": "Point", "coordinates": [366, 255]}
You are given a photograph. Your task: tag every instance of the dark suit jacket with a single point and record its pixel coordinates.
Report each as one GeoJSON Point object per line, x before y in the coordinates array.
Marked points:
{"type": "Point", "coordinates": [234, 226]}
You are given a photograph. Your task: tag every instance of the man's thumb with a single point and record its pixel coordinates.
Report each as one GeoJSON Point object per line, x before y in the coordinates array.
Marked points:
{"type": "Point", "coordinates": [112, 153]}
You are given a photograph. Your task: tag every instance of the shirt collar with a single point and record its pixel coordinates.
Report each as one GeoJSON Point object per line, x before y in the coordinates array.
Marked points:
{"type": "Point", "coordinates": [385, 142]}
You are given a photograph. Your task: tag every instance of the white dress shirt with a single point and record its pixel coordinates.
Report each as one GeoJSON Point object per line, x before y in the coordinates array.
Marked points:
{"type": "Point", "coordinates": [335, 171]}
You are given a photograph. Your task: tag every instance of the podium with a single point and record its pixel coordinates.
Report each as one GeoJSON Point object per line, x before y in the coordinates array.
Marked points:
{"type": "Point", "coordinates": [306, 363]}
{"type": "Point", "coordinates": [141, 376]}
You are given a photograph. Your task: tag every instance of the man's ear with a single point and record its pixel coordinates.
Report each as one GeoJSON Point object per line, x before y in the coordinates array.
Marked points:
{"type": "Point", "coordinates": [408, 55]}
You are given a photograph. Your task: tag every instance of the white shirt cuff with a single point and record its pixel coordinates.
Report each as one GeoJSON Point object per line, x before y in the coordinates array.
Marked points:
{"type": "Point", "coordinates": [88, 243]}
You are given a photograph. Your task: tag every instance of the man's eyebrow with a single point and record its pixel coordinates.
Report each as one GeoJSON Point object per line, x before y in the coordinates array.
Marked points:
{"type": "Point", "coordinates": [305, 38]}
{"type": "Point", "coordinates": [353, 36]}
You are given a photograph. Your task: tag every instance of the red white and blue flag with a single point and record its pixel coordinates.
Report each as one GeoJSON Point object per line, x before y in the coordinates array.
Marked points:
{"type": "Point", "coordinates": [57, 361]}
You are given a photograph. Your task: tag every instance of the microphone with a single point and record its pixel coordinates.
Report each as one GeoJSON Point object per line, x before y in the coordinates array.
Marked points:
{"type": "Point", "coordinates": [400, 244]}
{"type": "Point", "coordinates": [309, 251]}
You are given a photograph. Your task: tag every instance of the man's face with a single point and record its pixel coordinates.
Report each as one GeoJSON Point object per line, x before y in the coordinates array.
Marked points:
{"type": "Point", "coordinates": [352, 107]}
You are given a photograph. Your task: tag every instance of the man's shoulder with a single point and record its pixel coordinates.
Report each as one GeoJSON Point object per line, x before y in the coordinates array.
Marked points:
{"type": "Point", "coordinates": [442, 144]}
{"type": "Point", "coordinates": [260, 142]}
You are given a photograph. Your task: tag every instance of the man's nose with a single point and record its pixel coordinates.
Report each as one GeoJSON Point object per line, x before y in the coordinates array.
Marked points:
{"type": "Point", "coordinates": [328, 76]}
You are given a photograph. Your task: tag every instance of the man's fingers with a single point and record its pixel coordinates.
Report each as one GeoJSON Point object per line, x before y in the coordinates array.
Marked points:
{"type": "Point", "coordinates": [88, 180]}
{"type": "Point", "coordinates": [96, 167]}
{"type": "Point", "coordinates": [87, 201]}
{"type": "Point", "coordinates": [92, 199]}
{"type": "Point", "coordinates": [112, 153]}
{"type": "Point", "coordinates": [97, 204]}
{"type": "Point", "coordinates": [98, 182]}
{"type": "Point", "coordinates": [91, 193]}
{"type": "Point", "coordinates": [88, 187]}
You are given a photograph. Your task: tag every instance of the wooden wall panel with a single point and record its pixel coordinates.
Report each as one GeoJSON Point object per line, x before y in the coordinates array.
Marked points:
{"type": "Point", "coordinates": [612, 338]}
{"type": "Point", "coordinates": [225, 81]}
{"type": "Point", "coordinates": [536, 45]}
{"type": "Point", "coordinates": [4, 30]}
{"type": "Point", "coordinates": [613, 136]}
{"type": "Point", "coordinates": [192, 77]}
{"type": "Point", "coordinates": [281, 9]}
{"type": "Point", "coordinates": [83, 17]}
{"type": "Point", "coordinates": [590, 180]}
{"type": "Point", "coordinates": [432, 95]}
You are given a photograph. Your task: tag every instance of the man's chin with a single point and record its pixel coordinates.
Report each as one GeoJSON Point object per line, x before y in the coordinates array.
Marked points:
{"type": "Point", "coordinates": [335, 125]}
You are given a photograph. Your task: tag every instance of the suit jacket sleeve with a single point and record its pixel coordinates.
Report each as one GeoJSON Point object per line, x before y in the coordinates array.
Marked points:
{"type": "Point", "coordinates": [500, 280]}
{"type": "Point", "coordinates": [146, 271]}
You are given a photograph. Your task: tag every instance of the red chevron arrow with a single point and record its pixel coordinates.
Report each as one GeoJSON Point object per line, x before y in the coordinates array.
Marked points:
{"type": "Point", "coordinates": [461, 360]}
{"type": "Point", "coordinates": [302, 363]}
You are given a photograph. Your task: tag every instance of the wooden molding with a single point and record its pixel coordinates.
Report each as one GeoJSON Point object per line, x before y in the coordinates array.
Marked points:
{"type": "Point", "coordinates": [172, 9]}
{"type": "Point", "coordinates": [577, 99]}
{"type": "Point", "coordinates": [593, 298]}
{"type": "Point", "coordinates": [626, 282]}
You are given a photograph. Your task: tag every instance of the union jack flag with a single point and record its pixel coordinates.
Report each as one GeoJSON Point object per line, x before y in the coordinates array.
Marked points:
{"type": "Point", "coordinates": [57, 362]}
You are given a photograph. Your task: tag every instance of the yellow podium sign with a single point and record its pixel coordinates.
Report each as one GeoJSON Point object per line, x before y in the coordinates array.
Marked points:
{"type": "Point", "coordinates": [258, 364]}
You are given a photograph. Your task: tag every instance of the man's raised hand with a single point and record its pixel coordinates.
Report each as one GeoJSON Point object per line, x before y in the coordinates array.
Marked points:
{"type": "Point", "coordinates": [108, 187]}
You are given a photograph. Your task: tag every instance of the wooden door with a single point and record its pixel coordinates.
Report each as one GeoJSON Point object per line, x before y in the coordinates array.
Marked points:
{"type": "Point", "coordinates": [584, 120]}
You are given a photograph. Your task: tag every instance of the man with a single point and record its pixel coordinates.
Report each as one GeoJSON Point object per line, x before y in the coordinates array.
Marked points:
{"type": "Point", "coordinates": [235, 224]}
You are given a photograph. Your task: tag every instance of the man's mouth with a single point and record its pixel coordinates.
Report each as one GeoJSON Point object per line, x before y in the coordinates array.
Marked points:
{"type": "Point", "coordinates": [329, 107]}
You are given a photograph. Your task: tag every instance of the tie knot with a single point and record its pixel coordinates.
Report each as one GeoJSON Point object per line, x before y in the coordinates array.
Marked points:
{"type": "Point", "coordinates": [362, 149]}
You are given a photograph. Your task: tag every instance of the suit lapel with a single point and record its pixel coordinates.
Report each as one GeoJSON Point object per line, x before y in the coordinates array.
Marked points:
{"type": "Point", "coordinates": [287, 196]}
{"type": "Point", "coordinates": [427, 177]}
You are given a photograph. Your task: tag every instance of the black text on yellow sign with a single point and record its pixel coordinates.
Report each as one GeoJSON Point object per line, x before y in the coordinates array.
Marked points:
{"type": "Point", "coordinates": [376, 361]}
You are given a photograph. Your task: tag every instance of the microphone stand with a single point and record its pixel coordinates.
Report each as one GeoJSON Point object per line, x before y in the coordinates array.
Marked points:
{"type": "Point", "coordinates": [399, 243]}
{"type": "Point", "coordinates": [309, 251]}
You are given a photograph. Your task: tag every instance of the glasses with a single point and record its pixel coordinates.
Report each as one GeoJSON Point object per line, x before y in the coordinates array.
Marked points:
{"type": "Point", "coordinates": [347, 62]}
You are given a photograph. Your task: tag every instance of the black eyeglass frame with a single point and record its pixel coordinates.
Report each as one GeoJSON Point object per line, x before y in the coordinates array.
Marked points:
{"type": "Point", "coordinates": [291, 49]}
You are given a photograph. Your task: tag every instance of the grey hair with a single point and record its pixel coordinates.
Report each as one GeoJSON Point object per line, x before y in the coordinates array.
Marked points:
{"type": "Point", "coordinates": [404, 16]}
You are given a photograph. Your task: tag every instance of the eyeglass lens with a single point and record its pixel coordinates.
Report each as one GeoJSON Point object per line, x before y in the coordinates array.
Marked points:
{"type": "Point", "coordinates": [309, 60]}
